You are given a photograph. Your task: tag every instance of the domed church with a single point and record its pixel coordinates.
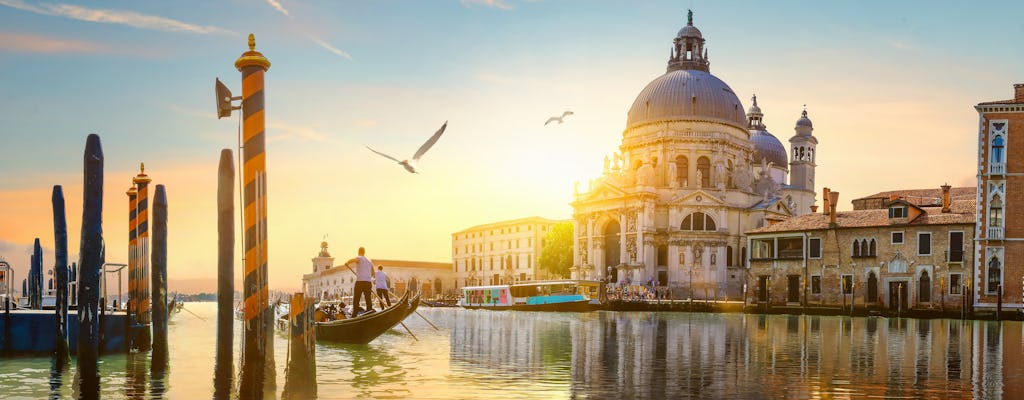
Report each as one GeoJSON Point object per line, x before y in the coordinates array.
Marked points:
{"type": "Point", "coordinates": [693, 173]}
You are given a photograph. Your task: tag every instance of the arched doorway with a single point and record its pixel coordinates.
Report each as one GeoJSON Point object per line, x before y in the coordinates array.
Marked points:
{"type": "Point", "coordinates": [924, 289]}
{"type": "Point", "coordinates": [872, 294]}
{"type": "Point", "coordinates": [611, 250]}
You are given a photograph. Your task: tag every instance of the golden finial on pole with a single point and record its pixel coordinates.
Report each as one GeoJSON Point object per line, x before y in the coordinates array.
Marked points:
{"type": "Point", "coordinates": [252, 42]}
{"type": "Point", "coordinates": [142, 168]}
{"type": "Point", "coordinates": [252, 57]}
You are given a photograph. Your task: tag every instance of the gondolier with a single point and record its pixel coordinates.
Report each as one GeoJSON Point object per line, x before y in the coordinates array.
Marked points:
{"type": "Point", "coordinates": [364, 281]}
{"type": "Point", "coordinates": [382, 286]}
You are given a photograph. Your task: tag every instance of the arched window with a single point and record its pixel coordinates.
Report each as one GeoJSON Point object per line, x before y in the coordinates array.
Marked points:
{"type": "Point", "coordinates": [995, 274]}
{"type": "Point", "coordinates": [995, 212]}
{"type": "Point", "coordinates": [682, 170]}
{"type": "Point", "coordinates": [856, 248]}
{"type": "Point", "coordinates": [728, 174]}
{"type": "Point", "coordinates": [924, 288]}
{"type": "Point", "coordinates": [704, 167]}
{"type": "Point", "coordinates": [728, 256]}
{"type": "Point", "coordinates": [864, 248]}
{"type": "Point", "coordinates": [872, 248]}
{"type": "Point", "coordinates": [802, 154]}
{"type": "Point", "coordinates": [997, 149]}
{"type": "Point", "coordinates": [698, 221]}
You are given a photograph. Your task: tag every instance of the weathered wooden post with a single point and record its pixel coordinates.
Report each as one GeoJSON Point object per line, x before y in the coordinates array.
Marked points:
{"type": "Point", "coordinates": [90, 261]}
{"type": "Point", "coordinates": [159, 356]}
{"type": "Point", "coordinates": [35, 284]}
{"type": "Point", "coordinates": [60, 266]}
{"type": "Point", "coordinates": [225, 275]}
{"type": "Point", "coordinates": [143, 311]}
{"type": "Point", "coordinates": [300, 377]}
{"type": "Point", "coordinates": [257, 357]}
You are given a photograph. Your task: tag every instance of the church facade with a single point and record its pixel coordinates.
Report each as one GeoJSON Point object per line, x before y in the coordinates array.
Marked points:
{"type": "Point", "coordinates": [692, 174]}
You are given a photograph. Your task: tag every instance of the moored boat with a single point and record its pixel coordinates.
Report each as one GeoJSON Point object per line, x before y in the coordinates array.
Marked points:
{"type": "Point", "coordinates": [366, 327]}
{"type": "Point", "coordinates": [555, 295]}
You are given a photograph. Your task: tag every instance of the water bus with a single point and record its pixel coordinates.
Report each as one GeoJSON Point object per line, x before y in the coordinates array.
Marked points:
{"type": "Point", "coordinates": [553, 295]}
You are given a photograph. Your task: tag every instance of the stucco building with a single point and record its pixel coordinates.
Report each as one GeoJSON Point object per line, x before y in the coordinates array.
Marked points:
{"type": "Point", "coordinates": [334, 281]}
{"type": "Point", "coordinates": [693, 173]}
{"type": "Point", "coordinates": [914, 250]}
{"type": "Point", "coordinates": [500, 252]}
{"type": "Point", "coordinates": [999, 261]}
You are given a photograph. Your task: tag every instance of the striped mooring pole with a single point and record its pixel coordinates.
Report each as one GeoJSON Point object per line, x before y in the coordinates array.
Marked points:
{"type": "Point", "coordinates": [257, 356]}
{"type": "Point", "coordinates": [300, 377]}
{"type": "Point", "coordinates": [133, 265]}
{"type": "Point", "coordinates": [143, 312]}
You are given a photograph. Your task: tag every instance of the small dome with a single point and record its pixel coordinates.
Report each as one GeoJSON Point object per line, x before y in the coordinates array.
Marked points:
{"type": "Point", "coordinates": [689, 31]}
{"type": "Point", "coordinates": [767, 146]}
{"type": "Point", "coordinates": [754, 109]}
{"type": "Point", "coordinates": [804, 121]}
{"type": "Point", "coordinates": [686, 95]}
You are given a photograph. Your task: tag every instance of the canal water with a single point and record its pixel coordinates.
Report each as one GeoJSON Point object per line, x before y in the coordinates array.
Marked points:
{"type": "Point", "coordinates": [528, 355]}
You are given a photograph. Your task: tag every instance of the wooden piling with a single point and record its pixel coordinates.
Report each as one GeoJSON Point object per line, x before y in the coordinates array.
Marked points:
{"type": "Point", "coordinates": [90, 261]}
{"type": "Point", "coordinates": [143, 311]}
{"type": "Point", "coordinates": [300, 376]}
{"type": "Point", "coordinates": [134, 276]}
{"type": "Point", "coordinates": [224, 368]}
{"type": "Point", "coordinates": [257, 357]}
{"type": "Point", "coordinates": [159, 356]}
{"type": "Point", "coordinates": [60, 266]}
{"type": "Point", "coordinates": [35, 284]}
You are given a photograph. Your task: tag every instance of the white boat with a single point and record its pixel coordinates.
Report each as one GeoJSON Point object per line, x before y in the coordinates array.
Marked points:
{"type": "Point", "coordinates": [552, 295]}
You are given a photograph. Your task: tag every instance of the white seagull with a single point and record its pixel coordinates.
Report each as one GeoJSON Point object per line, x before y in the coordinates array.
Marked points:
{"type": "Point", "coordinates": [559, 119]}
{"type": "Point", "coordinates": [411, 166]}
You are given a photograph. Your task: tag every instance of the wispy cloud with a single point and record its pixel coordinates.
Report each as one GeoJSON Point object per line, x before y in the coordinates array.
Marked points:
{"type": "Point", "coordinates": [281, 131]}
{"type": "Point", "coordinates": [117, 17]}
{"type": "Point", "coordinates": [487, 3]}
{"type": "Point", "coordinates": [277, 6]}
{"type": "Point", "coordinates": [900, 45]}
{"type": "Point", "coordinates": [22, 43]}
{"type": "Point", "coordinates": [330, 48]}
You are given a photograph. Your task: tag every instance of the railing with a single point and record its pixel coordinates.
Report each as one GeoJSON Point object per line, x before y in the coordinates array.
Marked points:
{"type": "Point", "coordinates": [995, 233]}
{"type": "Point", "coordinates": [997, 168]}
{"type": "Point", "coordinates": [954, 256]}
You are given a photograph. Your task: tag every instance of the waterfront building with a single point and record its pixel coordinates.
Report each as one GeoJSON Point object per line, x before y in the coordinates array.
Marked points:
{"type": "Point", "coordinates": [334, 281]}
{"type": "Point", "coordinates": [915, 250]}
{"type": "Point", "coordinates": [999, 261]}
{"type": "Point", "coordinates": [500, 252]}
{"type": "Point", "coordinates": [693, 173]}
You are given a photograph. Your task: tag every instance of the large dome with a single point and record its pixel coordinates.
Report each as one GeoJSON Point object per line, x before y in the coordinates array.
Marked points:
{"type": "Point", "coordinates": [687, 95]}
{"type": "Point", "coordinates": [767, 146]}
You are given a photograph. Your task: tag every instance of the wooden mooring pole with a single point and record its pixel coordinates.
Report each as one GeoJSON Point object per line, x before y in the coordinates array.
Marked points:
{"type": "Point", "coordinates": [90, 262]}
{"type": "Point", "coordinates": [134, 297]}
{"type": "Point", "coordinates": [224, 368]}
{"type": "Point", "coordinates": [159, 316]}
{"type": "Point", "coordinates": [300, 376]}
{"type": "Point", "coordinates": [35, 285]}
{"type": "Point", "coordinates": [143, 311]}
{"type": "Point", "coordinates": [257, 356]}
{"type": "Point", "coordinates": [60, 265]}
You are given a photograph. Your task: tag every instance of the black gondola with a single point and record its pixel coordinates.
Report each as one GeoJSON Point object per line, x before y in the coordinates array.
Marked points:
{"type": "Point", "coordinates": [366, 327]}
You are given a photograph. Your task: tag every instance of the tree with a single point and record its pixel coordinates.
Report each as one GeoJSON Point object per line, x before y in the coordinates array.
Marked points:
{"type": "Point", "coordinates": [556, 255]}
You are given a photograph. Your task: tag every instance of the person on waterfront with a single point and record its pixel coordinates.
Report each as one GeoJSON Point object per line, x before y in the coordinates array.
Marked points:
{"type": "Point", "coordinates": [382, 286]}
{"type": "Point", "coordinates": [364, 278]}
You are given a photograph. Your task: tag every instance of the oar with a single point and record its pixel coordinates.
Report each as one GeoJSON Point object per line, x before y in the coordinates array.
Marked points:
{"type": "Point", "coordinates": [425, 319]}
{"type": "Point", "coordinates": [356, 301]}
{"type": "Point", "coordinates": [190, 312]}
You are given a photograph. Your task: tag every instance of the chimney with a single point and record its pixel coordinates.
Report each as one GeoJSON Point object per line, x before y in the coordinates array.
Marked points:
{"type": "Point", "coordinates": [945, 198]}
{"type": "Point", "coordinates": [1018, 92]}
{"type": "Point", "coordinates": [825, 199]}
{"type": "Point", "coordinates": [833, 200]}
{"type": "Point", "coordinates": [814, 208]}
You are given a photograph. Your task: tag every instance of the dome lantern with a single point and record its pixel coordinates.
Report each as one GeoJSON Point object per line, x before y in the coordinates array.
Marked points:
{"type": "Point", "coordinates": [688, 52]}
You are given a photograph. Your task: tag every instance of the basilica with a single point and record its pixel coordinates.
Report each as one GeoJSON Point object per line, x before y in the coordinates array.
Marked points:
{"type": "Point", "coordinates": [694, 171]}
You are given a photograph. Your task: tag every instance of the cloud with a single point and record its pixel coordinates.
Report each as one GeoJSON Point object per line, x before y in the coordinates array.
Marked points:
{"type": "Point", "coordinates": [294, 133]}
{"type": "Point", "coordinates": [277, 6]}
{"type": "Point", "coordinates": [487, 3]}
{"type": "Point", "coordinates": [117, 17]}
{"type": "Point", "coordinates": [900, 45]}
{"type": "Point", "coordinates": [23, 43]}
{"type": "Point", "coordinates": [330, 48]}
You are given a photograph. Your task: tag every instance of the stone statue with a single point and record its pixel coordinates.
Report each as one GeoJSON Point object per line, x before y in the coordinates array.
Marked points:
{"type": "Point", "coordinates": [700, 178]}
{"type": "Point", "coordinates": [742, 177]}
{"type": "Point", "coordinates": [672, 175]}
{"type": "Point", "coordinates": [645, 175]}
{"type": "Point", "coordinates": [719, 175]}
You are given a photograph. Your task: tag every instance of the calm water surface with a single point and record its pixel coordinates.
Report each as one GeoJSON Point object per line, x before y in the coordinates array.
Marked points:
{"type": "Point", "coordinates": [485, 354]}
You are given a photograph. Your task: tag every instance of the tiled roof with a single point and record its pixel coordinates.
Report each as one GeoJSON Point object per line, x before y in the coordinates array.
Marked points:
{"type": "Point", "coordinates": [961, 212]}
{"type": "Point", "coordinates": [1010, 101]}
{"type": "Point", "coordinates": [925, 197]}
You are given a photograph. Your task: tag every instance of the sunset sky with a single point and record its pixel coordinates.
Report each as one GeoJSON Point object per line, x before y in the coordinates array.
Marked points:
{"type": "Point", "coordinates": [890, 87]}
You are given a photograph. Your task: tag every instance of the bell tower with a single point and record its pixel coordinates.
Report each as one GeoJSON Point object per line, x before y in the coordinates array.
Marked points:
{"type": "Point", "coordinates": [802, 159]}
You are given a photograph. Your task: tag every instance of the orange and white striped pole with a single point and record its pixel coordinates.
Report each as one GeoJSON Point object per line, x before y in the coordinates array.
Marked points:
{"type": "Point", "coordinates": [133, 273]}
{"type": "Point", "coordinates": [256, 354]}
{"type": "Point", "coordinates": [143, 340]}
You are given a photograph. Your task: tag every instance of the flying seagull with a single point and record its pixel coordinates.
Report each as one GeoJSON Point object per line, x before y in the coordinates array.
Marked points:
{"type": "Point", "coordinates": [559, 119]}
{"type": "Point", "coordinates": [411, 166]}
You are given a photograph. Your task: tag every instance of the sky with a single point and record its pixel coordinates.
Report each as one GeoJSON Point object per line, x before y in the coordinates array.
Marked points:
{"type": "Point", "coordinates": [890, 87]}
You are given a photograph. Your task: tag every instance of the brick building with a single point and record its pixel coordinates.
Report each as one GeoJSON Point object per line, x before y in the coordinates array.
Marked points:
{"type": "Point", "coordinates": [913, 250]}
{"type": "Point", "coordinates": [999, 260]}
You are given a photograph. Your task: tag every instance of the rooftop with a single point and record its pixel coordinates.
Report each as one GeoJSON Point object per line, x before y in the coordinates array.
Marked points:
{"type": "Point", "coordinates": [961, 212]}
{"type": "Point", "coordinates": [924, 197]}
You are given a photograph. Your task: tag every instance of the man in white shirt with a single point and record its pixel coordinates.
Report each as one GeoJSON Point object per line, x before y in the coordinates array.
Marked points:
{"type": "Point", "coordinates": [382, 286]}
{"type": "Point", "coordinates": [364, 278]}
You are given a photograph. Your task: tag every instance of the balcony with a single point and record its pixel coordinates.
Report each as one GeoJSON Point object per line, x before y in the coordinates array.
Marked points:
{"type": "Point", "coordinates": [997, 168]}
{"type": "Point", "coordinates": [995, 233]}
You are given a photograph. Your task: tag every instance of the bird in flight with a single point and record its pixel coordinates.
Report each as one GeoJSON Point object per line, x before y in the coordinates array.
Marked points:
{"type": "Point", "coordinates": [411, 166]}
{"type": "Point", "coordinates": [558, 119]}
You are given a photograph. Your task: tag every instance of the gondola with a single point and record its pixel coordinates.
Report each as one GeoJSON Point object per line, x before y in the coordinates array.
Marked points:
{"type": "Point", "coordinates": [366, 327]}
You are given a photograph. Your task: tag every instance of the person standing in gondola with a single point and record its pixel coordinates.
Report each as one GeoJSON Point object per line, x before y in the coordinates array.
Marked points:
{"type": "Point", "coordinates": [382, 286]}
{"type": "Point", "coordinates": [364, 278]}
